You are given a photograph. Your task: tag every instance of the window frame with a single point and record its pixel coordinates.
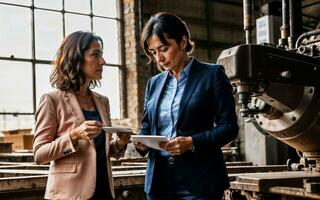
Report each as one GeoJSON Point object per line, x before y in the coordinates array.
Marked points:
{"type": "Point", "coordinates": [121, 66]}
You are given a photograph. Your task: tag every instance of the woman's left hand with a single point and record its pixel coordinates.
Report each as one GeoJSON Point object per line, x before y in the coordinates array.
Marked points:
{"type": "Point", "coordinates": [178, 145]}
{"type": "Point", "coordinates": [123, 139]}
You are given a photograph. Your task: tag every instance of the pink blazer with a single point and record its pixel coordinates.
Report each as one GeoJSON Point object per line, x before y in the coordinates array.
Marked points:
{"type": "Point", "coordinates": [72, 173]}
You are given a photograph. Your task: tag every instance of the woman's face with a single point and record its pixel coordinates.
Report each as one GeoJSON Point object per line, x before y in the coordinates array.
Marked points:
{"type": "Point", "coordinates": [169, 56]}
{"type": "Point", "coordinates": [93, 62]}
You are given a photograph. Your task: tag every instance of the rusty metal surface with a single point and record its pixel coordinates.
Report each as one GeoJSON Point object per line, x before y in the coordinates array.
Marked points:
{"type": "Point", "coordinates": [27, 167]}
{"type": "Point", "coordinates": [239, 163]}
{"type": "Point", "coordinates": [21, 172]}
{"type": "Point", "coordinates": [129, 180]}
{"type": "Point", "coordinates": [32, 187]}
{"type": "Point", "coordinates": [133, 179]}
{"type": "Point", "coordinates": [124, 168]}
{"type": "Point", "coordinates": [261, 182]}
{"type": "Point", "coordinates": [134, 164]}
{"type": "Point", "coordinates": [16, 157]}
{"type": "Point", "coordinates": [22, 183]}
{"type": "Point", "coordinates": [292, 191]}
{"type": "Point", "coordinates": [27, 181]}
{"type": "Point", "coordinates": [255, 169]}
{"type": "Point", "coordinates": [122, 161]}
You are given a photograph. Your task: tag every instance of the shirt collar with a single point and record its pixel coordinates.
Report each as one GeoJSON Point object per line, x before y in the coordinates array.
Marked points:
{"type": "Point", "coordinates": [185, 72]}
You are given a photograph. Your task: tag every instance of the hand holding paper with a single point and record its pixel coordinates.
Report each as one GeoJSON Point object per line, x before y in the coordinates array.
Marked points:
{"type": "Point", "coordinates": [123, 133]}
{"type": "Point", "coordinates": [151, 141]}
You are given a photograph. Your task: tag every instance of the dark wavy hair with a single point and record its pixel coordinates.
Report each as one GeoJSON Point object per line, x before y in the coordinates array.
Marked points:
{"type": "Point", "coordinates": [67, 74]}
{"type": "Point", "coordinates": [165, 25]}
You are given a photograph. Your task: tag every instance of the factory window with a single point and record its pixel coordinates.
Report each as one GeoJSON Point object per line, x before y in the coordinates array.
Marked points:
{"type": "Point", "coordinates": [30, 34]}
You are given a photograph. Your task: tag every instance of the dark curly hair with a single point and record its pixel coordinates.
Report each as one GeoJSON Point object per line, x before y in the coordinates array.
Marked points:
{"type": "Point", "coordinates": [165, 25]}
{"type": "Point", "coordinates": [67, 74]}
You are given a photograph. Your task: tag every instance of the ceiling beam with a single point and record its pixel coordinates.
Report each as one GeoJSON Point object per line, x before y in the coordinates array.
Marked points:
{"type": "Point", "coordinates": [311, 4]}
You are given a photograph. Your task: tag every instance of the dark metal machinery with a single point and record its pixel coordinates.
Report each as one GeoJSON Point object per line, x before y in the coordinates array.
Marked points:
{"type": "Point", "coordinates": [280, 88]}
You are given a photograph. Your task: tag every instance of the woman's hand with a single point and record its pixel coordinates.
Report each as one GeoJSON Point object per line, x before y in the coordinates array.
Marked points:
{"type": "Point", "coordinates": [123, 139]}
{"type": "Point", "coordinates": [178, 145]}
{"type": "Point", "coordinates": [140, 146]}
{"type": "Point", "coordinates": [87, 130]}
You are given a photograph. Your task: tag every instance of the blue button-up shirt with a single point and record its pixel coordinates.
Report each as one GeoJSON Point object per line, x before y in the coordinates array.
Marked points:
{"type": "Point", "coordinates": [169, 104]}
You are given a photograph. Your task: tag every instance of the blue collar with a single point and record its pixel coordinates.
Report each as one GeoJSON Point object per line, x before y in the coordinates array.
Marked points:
{"type": "Point", "coordinates": [186, 71]}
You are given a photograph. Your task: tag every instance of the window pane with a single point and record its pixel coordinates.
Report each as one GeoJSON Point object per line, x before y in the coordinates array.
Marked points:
{"type": "Point", "coordinates": [42, 80]}
{"type": "Point", "coordinates": [52, 4]}
{"type": "Point", "coordinates": [110, 87]}
{"type": "Point", "coordinates": [16, 86]}
{"type": "Point", "coordinates": [20, 2]}
{"type": "Point", "coordinates": [48, 33]}
{"type": "Point", "coordinates": [9, 122]}
{"type": "Point", "coordinates": [76, 23]}
{"type": "Point", "coordinates": [108, 30]}
{"type": "Point", "coordinates": [15, 31]}
{"type": "Point", "coordinates": [75, 6]}
{"type": "Point", "coordinates": [105, 8]}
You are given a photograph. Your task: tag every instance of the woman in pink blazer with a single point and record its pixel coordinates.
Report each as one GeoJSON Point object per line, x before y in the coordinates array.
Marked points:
{"type": "Point", "coordinates": [69, 120]}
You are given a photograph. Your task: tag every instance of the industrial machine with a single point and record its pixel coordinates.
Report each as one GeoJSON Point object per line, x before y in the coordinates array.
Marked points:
{"type": "Point", "coordinates": [279, 87]}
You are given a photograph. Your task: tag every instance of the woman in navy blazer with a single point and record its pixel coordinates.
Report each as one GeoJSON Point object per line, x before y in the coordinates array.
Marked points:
{"type": "Point", "coordinates": [191, 103]}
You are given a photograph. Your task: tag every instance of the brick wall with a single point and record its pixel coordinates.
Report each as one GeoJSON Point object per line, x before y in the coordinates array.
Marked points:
{"type": "Point", "coordinates": [136, 71]}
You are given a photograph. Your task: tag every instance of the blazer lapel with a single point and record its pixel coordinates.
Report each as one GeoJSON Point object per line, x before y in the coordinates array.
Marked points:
{"type": "Point", "coordinates": [156, 99]}
{"type": "Point", "coordinates": [101, 108]}
{"type": "Point", "coordinates": [105, 118]}
{"type": "Point", "coordinates": [72, 102]}
{"type": "Point", "coordinates": [193, 78]}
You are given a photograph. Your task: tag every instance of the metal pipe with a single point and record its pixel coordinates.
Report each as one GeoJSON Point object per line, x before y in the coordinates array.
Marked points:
{"type": "Point", "coordinates": [283, 41]}
{"type": "Point", "coordinates": [247, 19]}
{"type": "Point", "coordinates": [305, 35]}
{"type": "Point", "coordinates": [285, 19]}
{"type": "Point", "coordinates": [295, 21]}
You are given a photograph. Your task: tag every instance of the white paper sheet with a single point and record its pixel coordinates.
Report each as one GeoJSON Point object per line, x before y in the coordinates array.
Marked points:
{"type": "Point", "coordinates": [151, 141]}
{"type": "Point", "coordinates": [117, 129]}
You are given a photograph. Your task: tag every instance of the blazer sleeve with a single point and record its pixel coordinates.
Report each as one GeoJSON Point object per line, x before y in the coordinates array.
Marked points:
{"type": "Point", "coordinates": [46, 145]}
{"type": "Point", "coordinates": [145, 127]}
{"type": "Point", "coordinates": [226, 128]}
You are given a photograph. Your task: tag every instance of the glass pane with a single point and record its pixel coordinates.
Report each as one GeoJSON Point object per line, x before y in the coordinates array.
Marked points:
{"type": "Point", "coordinates": [20, 2]}
{"type": "Point", "coordinates": [76, 23]}
{"type": "Point", "coordinates": [42, 80]}
{"type": "Point", "coordinates": [108, 30]}
{"type": "Point", "coordinates": [48, 33]}
{"type": "Point", "coordinates": [105, 8]}
{"type": "Point", "coordinates": [75, 6]}
{"type": "Point", "coordinates": [110, 87]}
{"type": "Point", "coordinates": [16, 86]}
{"type": "Point", "coordinates": [15, 31]}
{"type": "Point", "coordinates": [51, 4]}
{"type": "Point", "coordinates": [10, 122]}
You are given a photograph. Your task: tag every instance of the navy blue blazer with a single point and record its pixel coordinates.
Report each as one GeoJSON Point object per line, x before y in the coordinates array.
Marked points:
{"type": "Point", "coordinates": [207, 114]}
